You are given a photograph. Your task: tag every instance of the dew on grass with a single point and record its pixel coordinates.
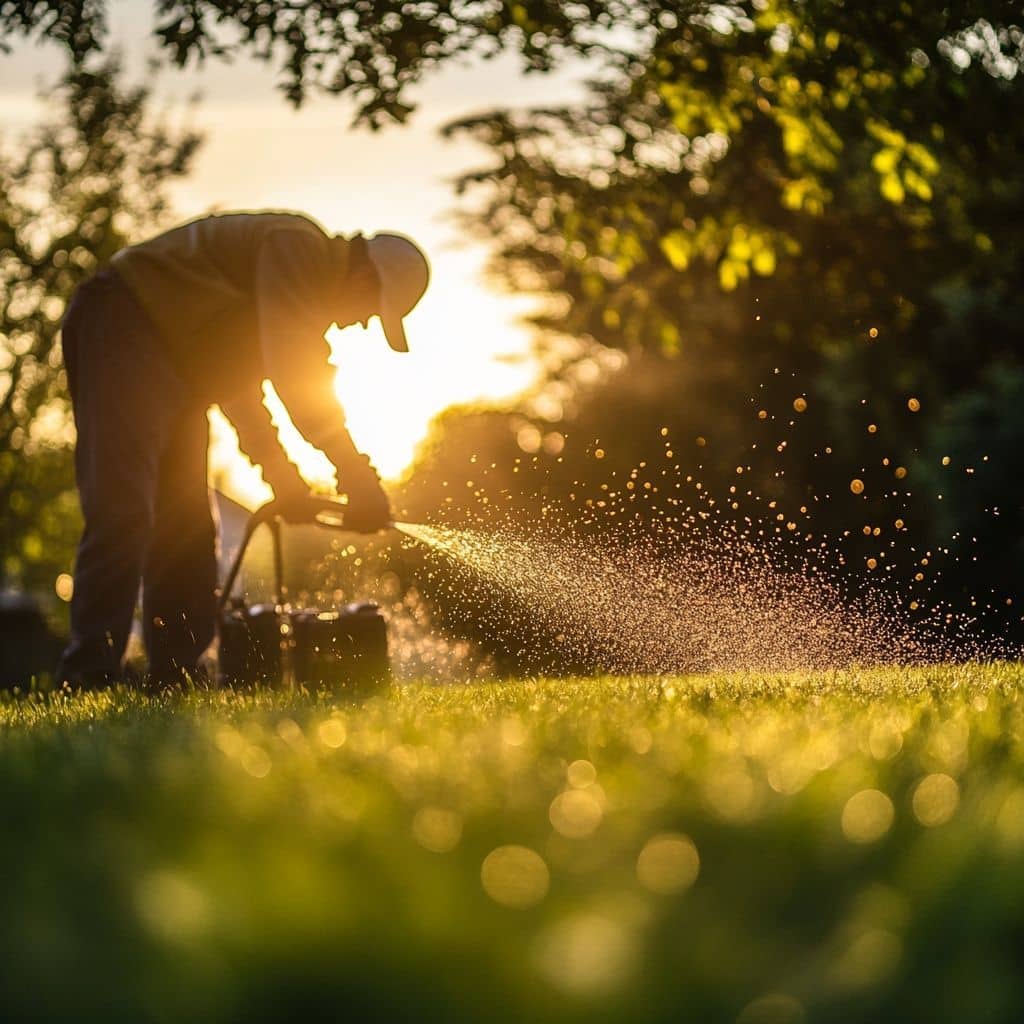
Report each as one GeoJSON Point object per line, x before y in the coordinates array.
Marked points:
{"type": "Point", "coordinates": [256, 761]}
{"type": "Point", "coordinates": [332, 733]}
{"type": "Point", "coordinates": [935, 799]}
{"type": "Point", "coordinates": [437, 829]}
{"type": "Point", "coordinates": [575, 814]}
{"type": "Point", "coordinates": [515, 876]}
{"type": "Point", "coordinates": [581, 774]}
{"type": "Point", "coordinates": [586, 954]}
{"type": "Point", "coordinates": [867, 816]}
{"type": "Point", "coordinates": [668, 863]}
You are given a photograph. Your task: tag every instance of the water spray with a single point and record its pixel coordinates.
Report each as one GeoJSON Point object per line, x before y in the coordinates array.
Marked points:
{"type": "Point", "coordinates": [704, 600]}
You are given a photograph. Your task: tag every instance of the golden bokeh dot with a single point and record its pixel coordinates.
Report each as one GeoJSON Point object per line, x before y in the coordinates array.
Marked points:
{"type": "Point", "coordinates": [575, 814]}
{"type": "Point", "coordinates": [529, 438]}
{"type": "Point", "coordinates": [913, 405]}
{"type": "Point", "coordinates": [867, 816]}
{"type": "Point", "coordinates": [256, 761]}
{"type": "Point", "coordinates": [668, 863]}
{"type": "Point", "coordinates": [581, 774]}
{"type": "Point", "coordinates": [935, 799]}
{"type": "Point", "coordinates": [900, 472]}
{"type": "Point", "coordinates": [872, 563]}
{"type": "Point", "coordinates": [857, 486]}
{"type": "Point", "coordinates": [437, 829]}
{"type": "Point", "coordinates": [515, 876]}
{"type": "Point", "coordinates": [64, 586]}
{"type": "Point", "coordinates": [800, 404]}
{"type": "Point", "coordinates": [885, 741]}
{"type": "Point", "coordinates": [554, 442]}
{"type": "Point", "coordinates": [586, 954]}
{"type": "Point", "coordinates": [332, 733]}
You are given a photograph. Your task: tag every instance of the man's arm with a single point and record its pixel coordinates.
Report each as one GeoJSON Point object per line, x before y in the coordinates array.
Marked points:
{"type": "Point", "coordinates": [296, 284]}
{"type": "Point", "coordinates": [297, 295]}
{"type": "Point", "coordinates": [257, 438]}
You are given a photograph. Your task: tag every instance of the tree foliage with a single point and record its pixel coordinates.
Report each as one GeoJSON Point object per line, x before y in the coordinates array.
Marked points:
{"type": "Point", "coordinates": [793, 200]}
{"type": "Point", "coordinates": [371, 50]}
{"type": "Point", "coordinates": [770, 141]}
{"type": "Point", "coordinates": [82, 185]}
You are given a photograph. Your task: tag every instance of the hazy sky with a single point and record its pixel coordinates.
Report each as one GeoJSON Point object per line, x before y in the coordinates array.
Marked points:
{"type": "Point", "coordinates": [260, 153]}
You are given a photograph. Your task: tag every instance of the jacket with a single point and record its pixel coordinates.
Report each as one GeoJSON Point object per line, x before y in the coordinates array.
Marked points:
{"type": "Point", "coordinates": [241, 297]}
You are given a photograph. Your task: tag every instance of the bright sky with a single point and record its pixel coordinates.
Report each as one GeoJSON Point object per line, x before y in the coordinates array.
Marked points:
{"type": "Point", "coordinates": [260, 153]}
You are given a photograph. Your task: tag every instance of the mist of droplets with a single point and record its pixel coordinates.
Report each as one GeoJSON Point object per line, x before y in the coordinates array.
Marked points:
{"type": "Point", "coordinates": [675, 602]}
{"type": "Point", "coordinates": [421, 651]}
{"type": "Point", "coordinates": [643, 569]}
{"type": "Point", "coordinates": [418, 649]}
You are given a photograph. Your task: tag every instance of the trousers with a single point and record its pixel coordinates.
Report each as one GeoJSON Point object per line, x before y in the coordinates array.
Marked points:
{"type": "Point", "coordinates": [141, 468]}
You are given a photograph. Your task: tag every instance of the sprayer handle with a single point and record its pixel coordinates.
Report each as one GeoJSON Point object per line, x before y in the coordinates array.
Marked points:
{"type": "Point", "coordinates": [315, 510]}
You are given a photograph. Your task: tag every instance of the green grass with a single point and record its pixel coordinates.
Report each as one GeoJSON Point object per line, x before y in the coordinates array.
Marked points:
{"type": "Point", "coordinates": [257, 857]}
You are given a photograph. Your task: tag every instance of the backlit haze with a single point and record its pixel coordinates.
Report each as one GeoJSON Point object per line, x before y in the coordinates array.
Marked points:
{"type": "Point", "coordinates": [465, 340]}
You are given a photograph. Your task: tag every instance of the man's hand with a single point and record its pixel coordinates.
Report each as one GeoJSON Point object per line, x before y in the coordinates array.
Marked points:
{"type": "Point", "coordinates": [291, 497]}
{"type": "Point", "coordinates": [368, 507]}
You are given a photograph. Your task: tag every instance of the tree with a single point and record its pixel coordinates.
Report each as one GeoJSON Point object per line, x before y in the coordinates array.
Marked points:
{"type": "Point", "coordinates": [806, 202]}
{"type": "Point", "coordinates": [371, 50]}
{"type": "Point", "coordinates": [84, 184]}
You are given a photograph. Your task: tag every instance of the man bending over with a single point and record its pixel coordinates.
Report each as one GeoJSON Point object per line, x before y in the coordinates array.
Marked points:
{"type": "Point", "coordinates": [203, 314]}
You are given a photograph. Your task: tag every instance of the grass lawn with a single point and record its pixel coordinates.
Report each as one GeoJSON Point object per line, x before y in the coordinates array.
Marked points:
{"type": "Point", "coordinates": [763, 849]}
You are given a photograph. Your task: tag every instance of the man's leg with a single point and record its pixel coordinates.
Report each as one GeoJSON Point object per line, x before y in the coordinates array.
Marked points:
{"type": "Point", "coordinates": [124, 395]}
{"type": "Point", "coordinates": [180, 575]}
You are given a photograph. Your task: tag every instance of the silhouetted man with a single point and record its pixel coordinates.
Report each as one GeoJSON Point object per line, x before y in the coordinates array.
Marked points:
{"type": "Point", "coordinates": [199, 315]}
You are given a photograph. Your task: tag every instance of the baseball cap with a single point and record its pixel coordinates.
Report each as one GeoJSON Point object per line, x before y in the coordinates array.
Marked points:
{"type": "Point", "coordinates": [404, 273]}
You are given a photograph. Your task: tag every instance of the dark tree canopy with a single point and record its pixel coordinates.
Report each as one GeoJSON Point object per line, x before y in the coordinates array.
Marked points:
{"type": "Point", "coordinates": [870, 148]}
{"type": "Point", "coordinates": [370, 50]}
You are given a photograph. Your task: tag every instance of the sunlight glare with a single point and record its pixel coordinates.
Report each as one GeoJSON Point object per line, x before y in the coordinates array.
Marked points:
{"type": "Point", "coordinates": [465, 347]}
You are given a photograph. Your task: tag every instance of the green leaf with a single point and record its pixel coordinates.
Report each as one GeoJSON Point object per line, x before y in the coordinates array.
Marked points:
{"type": "Point", "coordinates": [676, 247]}
{"type": "Point", "coordinates": [892, 188]}
{"type": "Point", "coordinates": [764, 262]}
{"type": "Point", "coordinates": [885, 160]}
{"type": "Point", "coordinates": [728, 276]}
